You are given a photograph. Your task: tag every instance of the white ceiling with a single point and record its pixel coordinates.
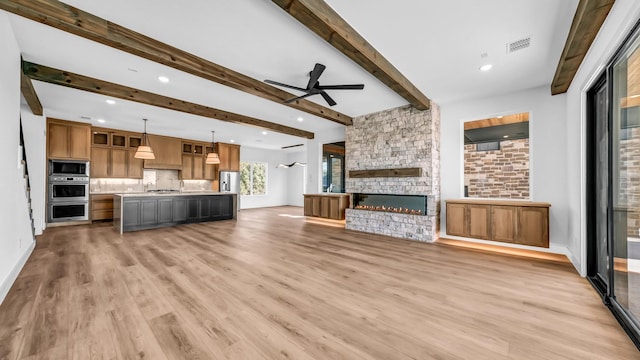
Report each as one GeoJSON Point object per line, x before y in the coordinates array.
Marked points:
{"type": "Point", "coordinates": [436, 44]}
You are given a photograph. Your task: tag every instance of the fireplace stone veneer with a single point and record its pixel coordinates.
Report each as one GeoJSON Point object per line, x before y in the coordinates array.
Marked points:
{"type": "Point", "coordinates": [398, 138]}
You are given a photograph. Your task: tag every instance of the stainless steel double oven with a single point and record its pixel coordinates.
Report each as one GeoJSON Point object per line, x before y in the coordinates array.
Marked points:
{"type": "Point", "coordinates": [68, 190]}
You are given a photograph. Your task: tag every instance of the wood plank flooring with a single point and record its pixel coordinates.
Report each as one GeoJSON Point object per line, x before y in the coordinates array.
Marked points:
{"type": "Point", "coordinates": [272, 286]}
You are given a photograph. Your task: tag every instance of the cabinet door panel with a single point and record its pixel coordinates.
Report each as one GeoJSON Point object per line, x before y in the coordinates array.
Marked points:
{"type": "Point", "coordinates": [479, 221]}
{"type": "Point", "coordinates": [315, 209]}
{"type": "Point", "coordinates": [457, 220]}
{"type": "Point", "coordinates": [79, 142]}
{"type": "Point", "coordinates": [226, 206]}
{"type": "Point", "coordinates": [149, 212]}
{"type": "Point", "coordinates": [131, 210]}
{"type": "Point", "coordinates": [198, 167]}
{"type": "Point", "coordinates": [99, 162]}
{"type": "Point", "coordinates": [205, 208]}
{"type": "Point", "coordinates": [193, 211]}
{"type": "Point", "coordinates": [179, 210]}
{"type": "Point", "coordinates": [308, 206]}
{"type": "Point", "coordinates": [135, 166]}
{"type": "Point", "coordinates": [234, 158]}
{"type": "Point", "coordinates": [533, 226]}
{"type": "Point", "coordinates": [165, 210]}
{"type": "Point", "coordinates": [503, 223]}
{"type": "Point", "coordinates": [58, 137]}
{"type": "Point", "coordinates": [324, 207]}
{"type": "Point", "coordinates": [119, 163]}
{"type": "Point", "coordinates": [187, 167]}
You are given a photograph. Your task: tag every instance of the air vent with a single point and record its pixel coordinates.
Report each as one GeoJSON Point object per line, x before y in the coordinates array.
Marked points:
{"type": "Point", "coordinates": [85, 117]}
{"type": "Point", "coordinates": [292, 146]}
{"type": "Point", "coordinates": [519, 45]}
{"type": "Point", "coordinates": [488, 146]}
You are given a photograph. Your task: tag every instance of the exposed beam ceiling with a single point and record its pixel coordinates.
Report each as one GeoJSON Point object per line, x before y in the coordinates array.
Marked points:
{"type": "Point", "coordinates": [496, 121]}
{"type": "Point", "coordinates": [320, 18]}
{"type": "Point", "coordinates": [73, 20]}
{"type": "Point", "coordinates": [80, 82]}
{"type": "Point", "coordinates": [588, 19]}
{"type": "Point", "coordinates": [29, 94]}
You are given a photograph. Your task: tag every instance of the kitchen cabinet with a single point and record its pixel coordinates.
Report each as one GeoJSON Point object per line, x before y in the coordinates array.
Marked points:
{"type": "Point", "coordinates": [134, 166]}
{"type": "Point", "coordinates": [101, 207]}
{"type": "Point", "coordinates": [99, 166]}
{"type": "Point", "coordinates": [118, 162]}
{"type": "Point", "coordinates": [229, 156]}
{"type": "Point", "coordinates": [99, 137]}
{"type": "Point", "coordinates": [115, 163]}
{"type": "Point", "coordinates": [68, 140]}
{"type": "Point", "coordinates": [519, 222]}
{"type": "Point", "coordinates": [168, 153]}
{"type": "Point", "coordinates": [193, 158]}
{"type": "Point", "coordinates": [330, 206]}
{"type": "Point", "coordinates": [151, 211]}
{"type": "Point", "coordinates": [187, 167]}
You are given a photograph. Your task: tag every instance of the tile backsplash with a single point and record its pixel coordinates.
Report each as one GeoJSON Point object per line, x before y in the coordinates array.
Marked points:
{"type": "Point", "coordinates": [152, 180]}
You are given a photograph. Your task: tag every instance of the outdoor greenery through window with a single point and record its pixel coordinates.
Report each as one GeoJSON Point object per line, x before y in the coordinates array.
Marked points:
{"type": "Point", "coordinates": [253, 178]}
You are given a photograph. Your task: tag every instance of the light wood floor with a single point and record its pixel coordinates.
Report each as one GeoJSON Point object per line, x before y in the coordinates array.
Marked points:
{"type": "Point", "coordinates": [271, 286]}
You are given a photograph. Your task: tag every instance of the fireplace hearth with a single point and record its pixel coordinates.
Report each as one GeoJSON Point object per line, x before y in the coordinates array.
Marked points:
{"type": "Point", "coordinates": [402, 204]}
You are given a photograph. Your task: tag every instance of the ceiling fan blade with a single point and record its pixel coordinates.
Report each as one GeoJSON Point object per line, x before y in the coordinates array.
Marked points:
{"type": "Point", "coordinates": [341, 87]}
{"type": "Point", "coordinates": [298, 98]}
{"type": "Point", "coordinates": [327, 98]}
{"type": "Point", "coordinates": [284, 85]}
{"type": "Point", "coordinates": [315, 75]}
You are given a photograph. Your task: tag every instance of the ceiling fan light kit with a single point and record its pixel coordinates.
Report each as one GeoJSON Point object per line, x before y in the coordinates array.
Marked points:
{"type": "Point", "coordinates": [314, 87]}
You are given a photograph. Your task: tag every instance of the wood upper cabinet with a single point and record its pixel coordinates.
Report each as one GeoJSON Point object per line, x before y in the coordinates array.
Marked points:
{"type": "Point", "coordinates": [193, 157]}
{"type": "Point", "coordinates": [119, 166]}
{"type": "Point", "coordinates": [134, 166]}
{"type": "Point", "coordinates": [68, 140]}
{"type": "Point", "coordinates": [100, 162]}
{"type": "Point", "coordinates": [229, 156]}
{"type": "Point", "coordinates": [168, 153]}
{"type": "Point", "coordinates": [198, 167]}
{"type": "Point", "coordinates": [187, 167]}
{"type": "Point", "coordinates": [519, 222]}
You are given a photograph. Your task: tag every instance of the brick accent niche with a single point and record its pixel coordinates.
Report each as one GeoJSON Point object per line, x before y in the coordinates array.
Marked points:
{"type": "Point", "coordinates": [500, 173]}
{"type": "Point", "coordinates": [396, 138]}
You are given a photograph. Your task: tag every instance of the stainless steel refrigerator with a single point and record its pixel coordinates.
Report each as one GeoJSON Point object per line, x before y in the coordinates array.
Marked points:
{"type": "Point", "coordinates": [230, 182]}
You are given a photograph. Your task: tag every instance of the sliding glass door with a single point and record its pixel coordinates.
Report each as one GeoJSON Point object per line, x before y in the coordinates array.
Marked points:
{"type": "Point", "coordinates": [613, 185]}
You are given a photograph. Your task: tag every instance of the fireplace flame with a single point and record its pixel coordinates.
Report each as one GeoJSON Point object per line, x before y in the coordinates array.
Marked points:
{"type": "Point", "coordinates": [392, 209]}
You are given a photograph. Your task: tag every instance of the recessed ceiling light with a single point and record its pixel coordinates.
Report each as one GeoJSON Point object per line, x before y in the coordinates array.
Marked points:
{"type": "Point", "coordinates": [232, 141]}
{"type": "Point", "coordinates": [300, 119]}
{"type": "Point", "coordinates": [110, 102]}
{"type": "Point", "coordinates": [264, 133]}
{"type": "Point", "coordinates": [499, 117]}
{"type": "Point", "coordinates": [634, 96]}
{"type": "Point", "coordinates": [102, 121]}
{"type": "Point", "coordinates": [506, 136]}
{"type": "Point", "coordinates": [163, 79]}
{"type": "Point", "coordinates": [486, 67]}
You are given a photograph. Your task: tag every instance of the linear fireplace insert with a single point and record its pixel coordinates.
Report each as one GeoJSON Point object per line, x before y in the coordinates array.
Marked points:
{"type": "Point", "coordinates": [402, 204]}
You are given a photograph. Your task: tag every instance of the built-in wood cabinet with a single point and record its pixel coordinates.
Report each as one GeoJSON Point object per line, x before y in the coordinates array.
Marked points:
{"type": "Point", "coordinates": [518, 222]}
{"type": "Point", "coordinates": [101, 207]}
{"type": "Point", "coordinates": [168, 153]}
{"type": "Point", "coordinates": [193, 162]}
{"type": "Point", "coordinates": [229, 156]}
{"type": "Point", "coordinates": [68, 140]}
{"type": "Point", "coordinates": [100, 162]}
{"type": "Point", "coordinates": [330, 206]}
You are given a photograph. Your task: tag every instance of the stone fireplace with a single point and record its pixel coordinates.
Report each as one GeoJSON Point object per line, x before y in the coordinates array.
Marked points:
{"type": "Point", "coordinates": [389, 153]}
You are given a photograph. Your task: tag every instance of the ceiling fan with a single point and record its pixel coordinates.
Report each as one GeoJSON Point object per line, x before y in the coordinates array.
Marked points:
{"type": "Point", "coordinates": [314, 87]}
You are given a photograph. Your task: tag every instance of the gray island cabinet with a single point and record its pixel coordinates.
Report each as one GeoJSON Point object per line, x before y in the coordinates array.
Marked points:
{"type": "Point", "coordinates": [143, 211]}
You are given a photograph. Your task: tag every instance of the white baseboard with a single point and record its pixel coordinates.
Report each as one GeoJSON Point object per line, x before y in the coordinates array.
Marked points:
{"type": "Point", "coordinates": [5, 286]}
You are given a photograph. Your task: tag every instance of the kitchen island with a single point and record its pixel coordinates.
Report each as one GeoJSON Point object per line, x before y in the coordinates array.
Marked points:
{"type": "Point", "coordinates": [141, 211]}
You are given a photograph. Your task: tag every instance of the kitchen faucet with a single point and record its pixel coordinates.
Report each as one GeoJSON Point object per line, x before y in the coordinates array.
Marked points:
{"type": "Point", "coordinates": [181, 185]}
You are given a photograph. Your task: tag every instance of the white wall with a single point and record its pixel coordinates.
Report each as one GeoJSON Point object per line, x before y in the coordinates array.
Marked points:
{"type": "Point", "coordinates": [296, 179]}
{"type": "Point", "coordinates": [314, 157]}
{"type": "Point", "coordinates": [276, 178]}
{"type": "Point", "coordinates": [34, 128]}
{"type": "Point", "coordinates": [16, 241]}
{"type": "Point", "coordinates": [548, 134]}
{"type": "Point", "coordinates": [621, 19]}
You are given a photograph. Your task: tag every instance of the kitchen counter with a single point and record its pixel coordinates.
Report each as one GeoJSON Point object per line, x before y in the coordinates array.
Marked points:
{"type": "Point", "coordinates": [149, 210]}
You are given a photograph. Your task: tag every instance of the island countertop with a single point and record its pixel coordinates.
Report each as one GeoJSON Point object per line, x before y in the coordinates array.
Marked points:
{"type": "Point", "coordinates": [172, 193]}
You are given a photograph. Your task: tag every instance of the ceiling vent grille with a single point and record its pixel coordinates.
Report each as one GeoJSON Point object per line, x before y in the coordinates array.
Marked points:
{"type": "Point", "coordinates": [519, 45]}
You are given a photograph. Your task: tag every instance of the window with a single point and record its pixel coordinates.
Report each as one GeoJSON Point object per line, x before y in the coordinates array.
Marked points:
{"type": "Point", "coordinates": [496, 157]}
{"type": "Point", "coordinates": [253, 178]}
{"type": "Point", "coordinates": [333, 167]}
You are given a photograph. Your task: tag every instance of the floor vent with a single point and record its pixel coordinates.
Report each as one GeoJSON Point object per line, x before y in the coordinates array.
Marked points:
{"type": "Point", "coordinates": [519, 45]}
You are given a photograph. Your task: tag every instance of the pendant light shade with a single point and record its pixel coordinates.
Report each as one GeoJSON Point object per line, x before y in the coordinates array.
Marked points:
{"type": "Point", "coordinates": [144, 151]}
{"type": "Point", "coordinates": [212, 157]}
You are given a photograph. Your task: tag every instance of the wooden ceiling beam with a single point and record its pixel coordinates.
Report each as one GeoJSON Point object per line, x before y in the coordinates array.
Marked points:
{"type": "Point", "coordinates": [29, 94]}
{"type": "Point", "coordinates": [73, 20]}
{"type": "Point", "coordinates": [320, 18]}
{"type": "Point", "coordinates": [589, 17]}
{"type": "Point", "coordinates": [85, 83]}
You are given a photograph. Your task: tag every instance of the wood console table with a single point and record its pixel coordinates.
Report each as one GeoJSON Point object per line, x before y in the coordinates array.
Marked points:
{"type": "Point", "coordinates": [517, 222]}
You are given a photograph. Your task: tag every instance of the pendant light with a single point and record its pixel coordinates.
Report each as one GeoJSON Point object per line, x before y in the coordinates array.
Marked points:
{"type": "Point", "coordinates": [212, 157]}
{"type": "Point", "coordinates": [144, 151]}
